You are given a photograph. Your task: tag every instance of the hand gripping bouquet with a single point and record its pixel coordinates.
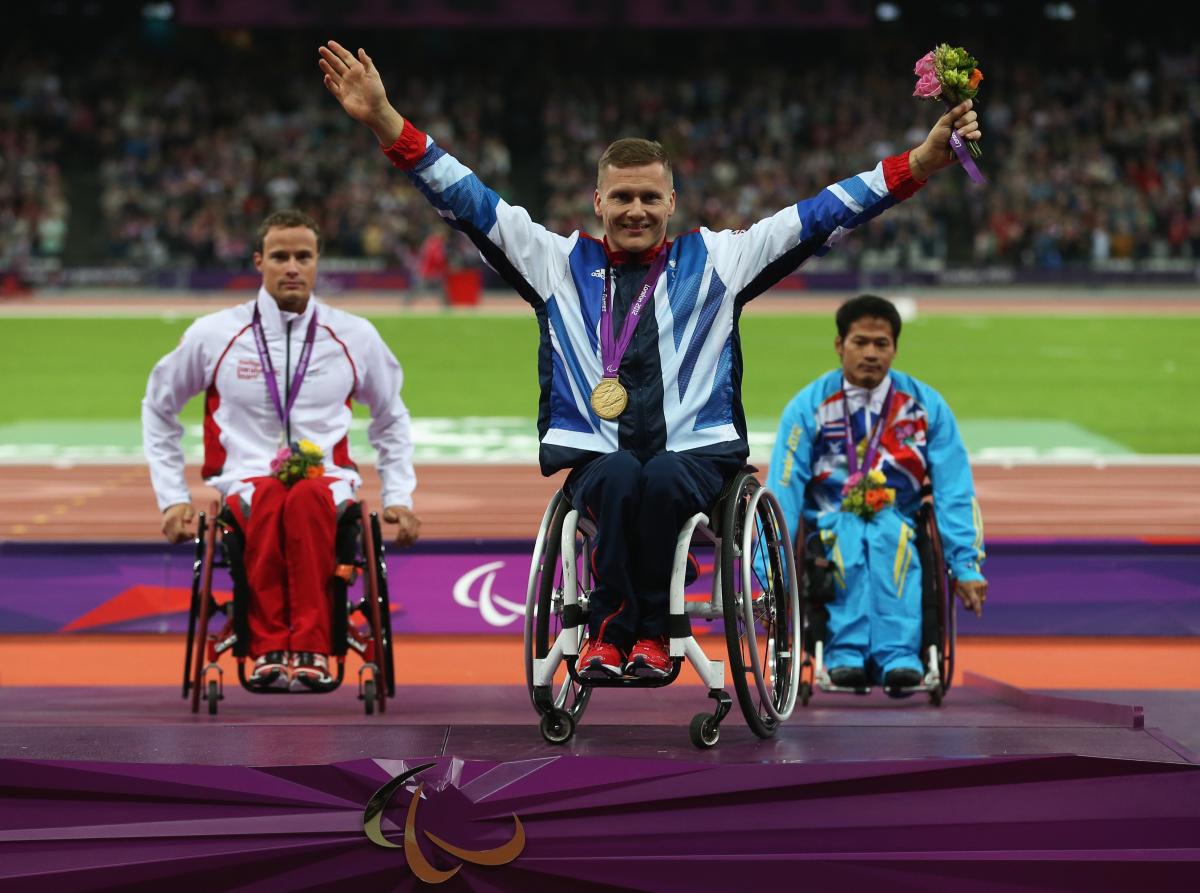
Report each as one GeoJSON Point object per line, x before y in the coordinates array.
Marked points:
{"type": "Point", "coordinates": [952, 75]}
{"type": "Point", "coordinates": [297, 462]}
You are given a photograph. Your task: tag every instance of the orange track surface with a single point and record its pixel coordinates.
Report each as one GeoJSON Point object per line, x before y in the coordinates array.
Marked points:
{"type": "Point", "coordinates": [146, 659]}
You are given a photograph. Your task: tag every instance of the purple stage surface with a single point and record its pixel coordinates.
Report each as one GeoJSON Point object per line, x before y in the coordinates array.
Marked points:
{"type": "Point", "coordinates": [1061, 588]}
{"type": "Point", "coordinates": [594, 823]}
{"type": "Point", "coordinates": [1000, 789]}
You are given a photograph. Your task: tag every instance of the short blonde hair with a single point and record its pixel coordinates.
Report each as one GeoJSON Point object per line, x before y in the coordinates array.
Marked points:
{"type": "Point", "coordinates": [633, 152]}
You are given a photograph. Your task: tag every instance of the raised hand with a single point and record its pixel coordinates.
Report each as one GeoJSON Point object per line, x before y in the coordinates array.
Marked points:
{"type": "Point", "coordinates": [355, 83]}
{"type": "Point", "coordinates": [935, 153]}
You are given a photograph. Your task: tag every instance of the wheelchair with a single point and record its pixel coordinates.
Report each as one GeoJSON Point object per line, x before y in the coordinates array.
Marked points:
{"type": "Point", "coordinates": [939, 626]}
{"type": "Point", "coordinates": [754, 595]}
{"type": "Point", "coordinates": [220, 544]}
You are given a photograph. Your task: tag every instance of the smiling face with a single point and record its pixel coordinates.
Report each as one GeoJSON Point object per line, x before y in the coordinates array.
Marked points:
{"type": "Point", "coordinates": [867, 351]}
{"type": "Point", "coordinates": [634, 204]}
{"type": "Point", "coordinates": [288, 262]}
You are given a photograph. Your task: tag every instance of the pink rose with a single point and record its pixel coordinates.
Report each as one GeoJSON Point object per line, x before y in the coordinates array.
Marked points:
{"type": "Point", "coordinates": [928, 86]}
{"type": "Point", "coordinates": [851, 482]}
{"type": "Point", "coordinates": [280, 459]}
{"type": "Point", "coordinates": [924, 65]}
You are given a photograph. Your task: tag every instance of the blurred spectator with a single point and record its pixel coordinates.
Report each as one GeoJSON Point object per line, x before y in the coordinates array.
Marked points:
{"type": "Point", "coordinates": [1088, 166]}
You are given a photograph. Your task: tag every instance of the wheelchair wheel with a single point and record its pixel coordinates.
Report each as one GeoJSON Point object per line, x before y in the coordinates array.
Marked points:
{"type": "Point", "coordinates": [543, 617]}
{"type": "Point", "coordinates": [385, 609]}
{"type": "Point", "coordinates": [939, 607]}
{"type": "Point", "coordinates": [206, 556]}
{"type": "Point", "coordinates": [372, 558]}
{"type": "Point", "coordinates": [214, 695]}
{"type": "Point", "coordinates": [368, 696]}
{"type": "Point", "coordinates": [704, 731]}
{"type": "Point", "coordinates": [760, 603]}
{"type": "Point", "coordinates": [194, 609]}
{"type": "Point", "coordinates": [557, 726]}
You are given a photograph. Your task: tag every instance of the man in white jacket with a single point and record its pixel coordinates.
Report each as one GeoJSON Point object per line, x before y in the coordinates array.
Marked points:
{"type": "Point", "coordinates": [275, 371]}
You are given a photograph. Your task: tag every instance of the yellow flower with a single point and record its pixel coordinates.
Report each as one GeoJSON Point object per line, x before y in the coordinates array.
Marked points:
{"type": "Point", "coordinates": [876, 477]}
{"type": "Point", "coordinates": [308, 448]}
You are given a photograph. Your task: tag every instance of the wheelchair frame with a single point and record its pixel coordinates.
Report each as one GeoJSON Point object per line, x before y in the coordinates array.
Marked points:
{"type": "Point", "coordinates": [939, 619]}
{"type": "Point", "coordinates": [359, 544]}
{"type": "Point", "coordinates": [556, 615]}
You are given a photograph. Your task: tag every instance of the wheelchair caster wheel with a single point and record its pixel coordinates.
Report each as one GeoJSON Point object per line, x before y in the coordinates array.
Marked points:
{"type": "Point", "coordinates": [368, 696]}
{"type": "Point", "coordinates": [704, 730]}
{"type": "Point", "coordinates": [213, 696]}
{"type": "Point", "coordinates": [805, 694]}
{"type": "Point", "coordinates": [936, 694]}
{"type": "Point", "coordinates": [557, 726]}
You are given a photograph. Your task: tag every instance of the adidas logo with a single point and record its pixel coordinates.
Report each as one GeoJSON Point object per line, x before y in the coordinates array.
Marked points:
{"type": "Point", "coordinates": [598, 274]}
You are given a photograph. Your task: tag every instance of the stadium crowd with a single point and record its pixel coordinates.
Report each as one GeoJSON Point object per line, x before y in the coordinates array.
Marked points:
{"type": "Point", "coordinates": [1086, 167]}
{"type": "Point", "coordinates": [36, 119]}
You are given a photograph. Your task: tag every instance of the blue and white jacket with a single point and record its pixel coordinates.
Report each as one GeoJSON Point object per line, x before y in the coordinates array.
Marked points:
{"type": "Point", "coordinates": [683, 370]}
{"type": "Point", "coordinates": [919, 443]}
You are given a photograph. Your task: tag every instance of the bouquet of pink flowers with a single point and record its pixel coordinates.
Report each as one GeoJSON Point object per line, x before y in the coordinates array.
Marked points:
{"type": "Point", "coordinates": [298, 462]}
{"type": "Point", "coordinates": [866, 495]}
{"type": "Point", "coordinates": [952, 75]}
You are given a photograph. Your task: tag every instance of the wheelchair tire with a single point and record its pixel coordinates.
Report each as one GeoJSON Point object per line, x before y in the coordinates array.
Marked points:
{"type": "Point", "coordinates": [771, 655]}
{"type": "Point", "coordinates": [194, 608]}
{"type": "Point", "coordinates": [936, 694]}
{"type": "Point", "coordinates": [557, 726]}
{"type": "Point", "coordinates": [805, 693]}
{"type": "Point", "coordinates": [385, 607]}
{"type": "Point", "coordinates": [704, 730]}
{"type": "Point", "coordinates": [542, 628]}
{"type": "Point", "coordinates": [214, 695]}
{"type": "Point", "coordinates": [368, 696]}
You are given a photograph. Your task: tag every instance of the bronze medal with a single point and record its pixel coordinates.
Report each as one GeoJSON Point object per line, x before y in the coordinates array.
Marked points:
{"type": "Point", "coordinates": [609, 399]}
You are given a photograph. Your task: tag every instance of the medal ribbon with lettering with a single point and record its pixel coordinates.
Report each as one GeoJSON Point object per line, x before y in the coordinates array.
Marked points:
{"type": "Point", "coordinates": [608, 397]}
{"type": "Point", "coordinates": [876, 431]}
{"type": "Point", "coordinates": [264, 358]}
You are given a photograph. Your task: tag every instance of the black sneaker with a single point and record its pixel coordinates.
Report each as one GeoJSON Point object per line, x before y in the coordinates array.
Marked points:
{"type": "Point", "coordinates": [310, 672]}
{"type": "Point", "coordinates": [899, 679]}
{"type": "Point", "coordinates": [848, 677]}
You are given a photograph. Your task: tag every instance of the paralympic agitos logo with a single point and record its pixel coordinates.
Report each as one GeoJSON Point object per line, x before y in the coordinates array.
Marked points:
{"type": "Point", "coordinates": [425, 870]}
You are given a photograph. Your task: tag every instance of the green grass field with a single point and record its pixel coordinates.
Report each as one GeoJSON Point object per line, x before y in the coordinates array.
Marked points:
{"type": "Point", "coordinates": [1129, 379]}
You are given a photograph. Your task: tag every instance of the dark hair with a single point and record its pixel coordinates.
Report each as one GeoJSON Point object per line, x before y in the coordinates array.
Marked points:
{"type": "Point", "coordinates": [288, 220]}
{"type": "Point", "coordinates": [633, 152]}
{"type": "Point", "coordinates": [868, 305]}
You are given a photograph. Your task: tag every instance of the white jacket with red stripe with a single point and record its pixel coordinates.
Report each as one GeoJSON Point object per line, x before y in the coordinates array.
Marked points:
{"type": "Point", "coordinates": [242, 432]}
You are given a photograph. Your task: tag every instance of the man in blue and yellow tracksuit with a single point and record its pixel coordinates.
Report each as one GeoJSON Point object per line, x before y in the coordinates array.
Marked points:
{"type": "Point", "coordinates": [639, 362]}
{"type": "Point", "coordinates": [901, 436]}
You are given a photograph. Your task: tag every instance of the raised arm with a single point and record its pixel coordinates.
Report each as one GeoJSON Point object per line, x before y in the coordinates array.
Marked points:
{"type": "Point", "coordinates": [355, 83]}
{"type": "Point", "coordinates": [529, 257]}
{"type": "Point", "coordinates": [751, 261]}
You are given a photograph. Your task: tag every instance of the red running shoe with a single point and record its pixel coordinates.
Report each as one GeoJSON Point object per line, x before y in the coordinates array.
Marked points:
{"type": "Point", "coordinates": [599, 660]}
{"type": "Point", "coordinates": [650, 657]}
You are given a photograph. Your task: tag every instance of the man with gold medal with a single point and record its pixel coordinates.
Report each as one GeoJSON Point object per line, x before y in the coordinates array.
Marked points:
{"type": "Point", "coordinates": [640, 363]}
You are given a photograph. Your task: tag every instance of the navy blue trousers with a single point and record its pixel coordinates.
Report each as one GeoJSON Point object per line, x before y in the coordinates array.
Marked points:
{"type": "Point", "coordinates": [638, 509]}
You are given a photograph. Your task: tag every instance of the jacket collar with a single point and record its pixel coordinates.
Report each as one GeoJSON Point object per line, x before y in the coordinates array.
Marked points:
{"type": "Point", "coordinates": [617, 256]}
{"type": "Point", "coordinates": [276, 320]}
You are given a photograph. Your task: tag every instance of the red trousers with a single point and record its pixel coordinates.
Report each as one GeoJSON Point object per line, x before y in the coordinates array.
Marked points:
{"type": "Point", "coordinates": [289, 557]}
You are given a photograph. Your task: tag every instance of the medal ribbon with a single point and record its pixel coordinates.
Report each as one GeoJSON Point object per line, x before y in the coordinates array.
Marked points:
{"type": "Point", "coordinates": [610, 352]}
{"type": "Point", "coordinates": [964, 157]}
{"type": "Point", "coordinates": [876, 431]}
{"type": "Point", "coordinates": [264, 358]}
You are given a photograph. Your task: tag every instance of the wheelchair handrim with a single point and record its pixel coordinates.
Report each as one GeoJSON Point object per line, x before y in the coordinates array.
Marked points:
{"type": "Point", "coordinates": [767, 698]}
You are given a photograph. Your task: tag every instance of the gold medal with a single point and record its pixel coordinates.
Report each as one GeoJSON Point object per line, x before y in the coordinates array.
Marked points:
{"type": "Point", "coordinates": [609, 399]}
